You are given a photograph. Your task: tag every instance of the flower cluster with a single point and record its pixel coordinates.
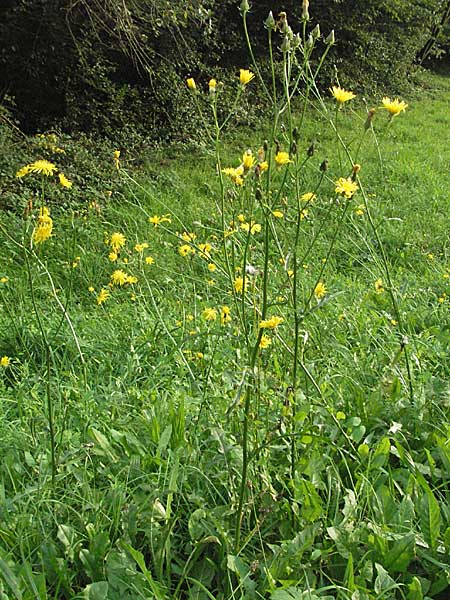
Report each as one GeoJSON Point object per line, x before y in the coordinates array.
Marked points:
{"type": "Point", "coordinates": [43, 167]}
{"type": "Point", "coordinates": [44, 227]}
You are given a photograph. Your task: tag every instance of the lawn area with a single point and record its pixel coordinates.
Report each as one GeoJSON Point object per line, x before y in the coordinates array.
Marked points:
{"type": "Point", "coordinates": [230, 384]}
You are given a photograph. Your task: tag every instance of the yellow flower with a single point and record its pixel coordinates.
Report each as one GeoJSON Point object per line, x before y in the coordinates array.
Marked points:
{"type": "Point", "coordinates": [43, 167]}
{"type": "Point", "coordinates": [251, 227]}
{"type": "Point", "coordinates": [44, 227]}
{"type": "Point", "coordinates": [264, 342]}
{"type": "Point", "coordinates": [282, 158]}
{"type": "Point", "coordinates": [394, 107]}
{"type": "Point", "coordinates": [64, 181]}
{"type": "Point", "coordinates": [308, 197]}
{"type": "Point", "coordinates": [103, 296]}
{"type": "Point", "coordinates": [205, 249]}
{"type": "Point", "coordinates": [346, 186]}
{"type": "Point", "coordinates": [277, 214]}
{"type": "Point", "coordinates": [156, 220]}
{"type": "Point", "coordinates": [225, 316]}
{"type": "Point", "coordinates": [303, 214]}
{"type": "Point", "coordinates": [248, 160]}
{"type": "Point", "coordinates": [91, 289]}
{"type": "Point", "coordinates": [185, 250]}
{"type": "Point", "coordinates": [263, 166]}
{"type": "Point", "coordinates": [209, 314]}
{"type": "Point", "coordinates": [4, 361]}
{"type": "Point", "coordinates": [245, 76]}
{"type": "Point", "coordinates": [141, 247]}
{"type": "Point", "coordinates": [188, 237]}
{"type": "Point", "coordinates": [320, 290]}
{"type": "Point", "coordinates": [212, 267]}
{"type": "Point", "coordinates": [119, 277]}
{"type": "Point", "coordinates": [379, 288]}
{"type": "Point", "coordinates": [4, 279]}
{"type": "Point", "coordinates": [341, 95]}
{"type": "Point", "coordinates": [23, 171]}
{"type": "Point", "coordinates": [212, 84]}
{"type": "Point", "coordinates": [117, 241]}
{"type": "Point", "coordinates": [113, 256]}
{"type": "Point", "coordinates": [235, 174]}
{"type": "Point", "coordinates": [191, 84]}
{"type": "Point", "coordinates": [359, 210]}
{"type": "Point", "coordinates": [238, 285]}
{"type": "Point", "coordinates": [271, 323]}
{"type": "Point", "coordinates": [149, 260]}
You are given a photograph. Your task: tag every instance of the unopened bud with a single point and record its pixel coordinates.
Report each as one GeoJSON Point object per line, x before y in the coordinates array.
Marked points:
{"type": "Point", "coordinates": [355, 170]}
{"type": "Point", "coordinates": [265, 145]}
{"type": "Point", "coordinates": [258, 194]}
{"type": "Point", "coordinates": [293, 149]}
{"type": "Point", "coordinates": [310, 151]}
{"type": "Point", "coordinates": [296, 41]}
{"type": "Point", "coordinates": [316, 32]}
{"type": "Point", "coordinates": [270, 21]}
{"type": "Point", "coordinates": [282, 22]}
{"type": "Point", "coordinates": [286, 44]}
{"type": "Point", "coordinates": [330, 39]}
{"type": "Point", "coordinates": [295, 134]}
{"type": "Point", "coordinates": [370, 116]}
{"type": "Point", "coordinates": [309, 44]}
{"type": "Point", "coordinates": [277, 146]}
{"type": "Point", "coordinates": [324, 166]}
{"type": "Point", "coordinates": [305, 11]}
{"type": "Point", "coordinates": [245, 7]}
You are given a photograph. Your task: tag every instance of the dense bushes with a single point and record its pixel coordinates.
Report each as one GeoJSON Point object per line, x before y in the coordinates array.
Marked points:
{"type": "Point", "coordinates": [110, 66]}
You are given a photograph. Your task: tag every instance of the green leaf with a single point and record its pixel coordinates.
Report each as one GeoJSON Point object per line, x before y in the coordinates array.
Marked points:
{"type": "Point", "coordinates": [401, 554]}
{"type": "Point", "coordinates": [237, 565]}
{"type": "Point", "coordinates": [381, 453]}
{"type": "Point", "coordinates": [139, 558]}
{"type": "Point", "coordinates": [415, 590]}
{"type": "Point", "coordinates": [430, 519]}
{"type": "Point", "coordinates": [383, 581]}
{"type": "Point", "coordinates": [96, 591]}
{"type": "Point", "coordinates": [10, 579]}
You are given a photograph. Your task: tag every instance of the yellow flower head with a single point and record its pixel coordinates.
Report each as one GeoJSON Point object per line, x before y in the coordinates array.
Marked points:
{"type": "Point", "coordinates": [271, 323]}
{"type": "Point", "coordinates": [320, 290]}
{"type": "Point", "coordinates": [341, 95]}
{"type": "Point", "coordinates": [185, 250]}
{"type": "Point", "coordinates": [117, 241]}
{"type": "Point", "coordinates": [64, 181]}
{"type": "Point", "coordinates": [149, 260]}
{"type": "Point", "coordinates": [282, 158]}
{"type": "Point", "coordinates": [251, 227]}
{"type": "Point", "coordinates": [212, 267]}
{"type": "Point", "coordinates": [346, 186]}
{"type": "Point", "coordinates": [245, 76]}
{"type": "Point", "coordinates": [191, 84]}
{"type": "Point", "coordinates": [4, 361]}
{"type": "Point", "coordinates": [44, 227]}
{"type": "Point", "coordinates": [238, 285]}
{"type": "Point", "coordinates": [188, 237]}
{"type": "Point", "coordinates": [394, 107]}
{"type": "Point", "coordinates": [212, 84]}
{"type": "Point", "coordinates": [209, 314]}
{"type": "Point", "coordinates": [113, 256]}
{"type": "Point", "coordinates": [235, 174]}
{"type": "Point", "coordinates": [308, 197]}
{"type": "Point", "coordinates": [156, 220]}
{"type": "Point", "coordinates": [43, 167]}
{"type": "Point", "coordinates": [248, 160]}
{"type": "Point", "coordinates": [277, 214]}
{"type": "Point", "coordinates": [141, 247]}
{"type": "Point", "coordinates": [116, 157]}
{"type": "Point", "coordinates": [23, 171]}
{"type": "Point", "coordinates": [264, 342]}
{"type": "Point", "coordinates": [102, 296]}
{"type": "Point", "coordinates": [205, 249]}
{"type": "Point", "coordinates": [225, 316]}
{"type": "Point", "coordinates": [119, 277]}
{"type": "Point", "coordinates": [379, 287]}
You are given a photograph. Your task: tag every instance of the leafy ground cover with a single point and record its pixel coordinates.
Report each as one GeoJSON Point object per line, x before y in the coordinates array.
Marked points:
{"type": "Point", "coordinates": [216, 390]}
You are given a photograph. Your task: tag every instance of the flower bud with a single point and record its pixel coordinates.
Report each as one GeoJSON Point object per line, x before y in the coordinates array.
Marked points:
{"type": "Point", "coordinates": [282, 22]}
{"type": "Point", "coordinates": [309, 44]}
{"type": "Point", "coordinates": [295, 134]}
{"type": "Point", "coordinates": [316, 32]}
{"type": "Point", "coordinates": [286, 44]}
{"type": "Point", "coordinates": [324, 166]}
{"type": "Point", "coordinates": [245, 7]}
{"type": "Point", "coordinates": [310, 151]}
{"type": "Point", "coordinates": [270, 21]}
{"type": "Point", "coordinates": [265, 145]}
{"type": "Point", "coordinates": [305, 11]}
{"type": "Point", "coordinates": [355, 170]}
{"type": "Point", "coordinates": [370, 116]}
{"type": "Point", "coordinates": [330, 39]}
{"type": "Point", "coordinates": [293, 149]}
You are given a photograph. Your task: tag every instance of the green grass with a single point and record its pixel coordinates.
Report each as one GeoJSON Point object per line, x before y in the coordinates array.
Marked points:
{"type": "Point", "coordinates": [148, 398]}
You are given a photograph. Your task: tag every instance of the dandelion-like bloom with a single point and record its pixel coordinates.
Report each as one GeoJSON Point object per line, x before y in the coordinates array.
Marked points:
{"type": "Point", "coordinates": [4, 279]}
{"type": "Point", "coordinates": [156, 220]}
{"type": "Point", "coordinates": [235, 174]}
{"type": "Point", "coordinates": [251, 227]}
{"type": "Point", "coordinates": [320, 290]}
{"type": "Point", "coordinates": [91, 289]}
{"type": "Point", "coordinates": [23, 171]}
{"type": "Point", "coordinates": [117, 241]}
{"type": "Point", "coordinates": [191, 84]}
{"type": "Point", "coordinates": [186, 250]}
{"type": "Point", "coordinates": [264, 342]}
{"type": "Point", "coordinates": [209, 314]}
{"type": "Point", "coordinates": [341, 95]}
{"type": "Point", "coordinates": [64, 181]}
{"type": "Point", "coordinates": [188, 237]}
{"type": "Point", "coordinates": [43, 167]}
{"type": "Point", "coordinates": [212, 84]}
{"type": "Point", "coordinates": [141, 247]}
{"type": "Point", "coordinates": [102, 296]}
{"type": "Point", "coordinates": [271, 323]}
{"type": "Point", "coordinates": [282, 158]}
{"type": "Point", "coordinates": [119, 277]}
{"type": "Point", "coordinates": [245, 76]}
{"type": "Point", "coordinates": [225, 316]}
{"type": "Point", "coordinates": [149, 260]}
{"type": "Point", "coordinates": [113, 256]}
{"type": "Point", "coordinates": [346, 186]}
{"type": "Point", "coordinates": [211, 267]}
{"type": "Point", "coordinates": [394, 107]}
{"type": "Point", "coordinates": [248, 160]}
{"type": "Point", "coordinates": [116, 157]}
{"type": "Point", "coordinates": [44, 227]}
{"type": "Point", "coordinates": [379, 287]}
{"type": "Point", "coordinates": [205, 249]}
{"type": "Point", "coordinates": [308, 197]}
{"type": "Point", "coordinates": [277, 214]}
{"type": "Point", "coordinates": [4, 361]}
{"type": "Point", "coordinates": [238, 285]}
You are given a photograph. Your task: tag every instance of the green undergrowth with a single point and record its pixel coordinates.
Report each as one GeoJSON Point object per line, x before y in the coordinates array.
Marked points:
{"type": "Point", "coordinates": [130, 488]}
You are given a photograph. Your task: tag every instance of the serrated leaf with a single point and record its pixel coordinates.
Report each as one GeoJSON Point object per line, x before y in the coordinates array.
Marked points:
{"type": "Point", "coordinates": [430, 519]}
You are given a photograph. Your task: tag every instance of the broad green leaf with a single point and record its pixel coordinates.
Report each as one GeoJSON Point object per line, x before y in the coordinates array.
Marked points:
{"type": "Point", "coordinates": [430, 519]}
{"type": "Point", "coordinates": [10, 579]}
{"type": "Point", "coordinates": [401, 554]}
{"type": "Point", "coordinates": [415, 590]}
{"type": "Point", "coordinates": [96, 591]}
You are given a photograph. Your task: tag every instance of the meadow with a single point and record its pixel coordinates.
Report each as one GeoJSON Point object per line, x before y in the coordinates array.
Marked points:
{"type": "Point", "coordinates": [224, 367]}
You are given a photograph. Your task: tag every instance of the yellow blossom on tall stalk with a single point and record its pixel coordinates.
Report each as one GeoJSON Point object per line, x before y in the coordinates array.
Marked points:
{"type": "Point", "coordinates": [264, 342]}
{"type": "Point", "coordinates": [320, 290]}
{"type": "Point", "coordinates": [64, 181]}
{"type": "Point", "coordinates": [117, 241]}
{"type": "Point", "coordinates": [205, 249]}
{"type": "Point", "coordinates": [235, 174]}
{"type": "Point", "coordinates": [186, 250]}
{"type": "Point", "coordinates": [225, 316]}
{"type": "Point", "coordinates": [44, 227]}
{"type": "Point", "coordinates": [341, 95]}
{"type": "Point", "coordinates": [157, 220]}
{"type": "Point", "coordinates": [43, 167]}
{"type": "Point", "coordinates": [116, 158]}
{"type": "Point", "coordinates": [5, 361]}
{"type": "Point", "coordinates": [251, 227]}
{"type": "Point", "coordinates": [149, 260]}
{"type": "Point", "coordinates": [248, 160]}
{"type": "Point", "coordinates": [121, 278]}
{"type": "Point", "coordinates": [394, 107]}
{"type": "Point", "coordinates": [212, 84]}
{"type": "Point", "coordinates": [308, 197]}
{"type": "Point", "coordinates": [379, 287]}
{"type": "Point", "coordinates": [102, 296]}
{"type": "Point", "coordinates": [188, 237]}
{"type": "Point", "coordinates": [245, 76]}
{"type": "Point", "coordinates": [23, 171]}
{"type": "Point", "coordinates": [271, 323]}
{"type": "Point", "coordinates": [282, 158]}
{"type": "Point", "coordinates": [346, 186]}
{"type": "Point", "coordinates": [238, 285]}
{"type": "Point", "coordinates": [141, 247]}
{"type": "Point", "coordinates": [191, 84]}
